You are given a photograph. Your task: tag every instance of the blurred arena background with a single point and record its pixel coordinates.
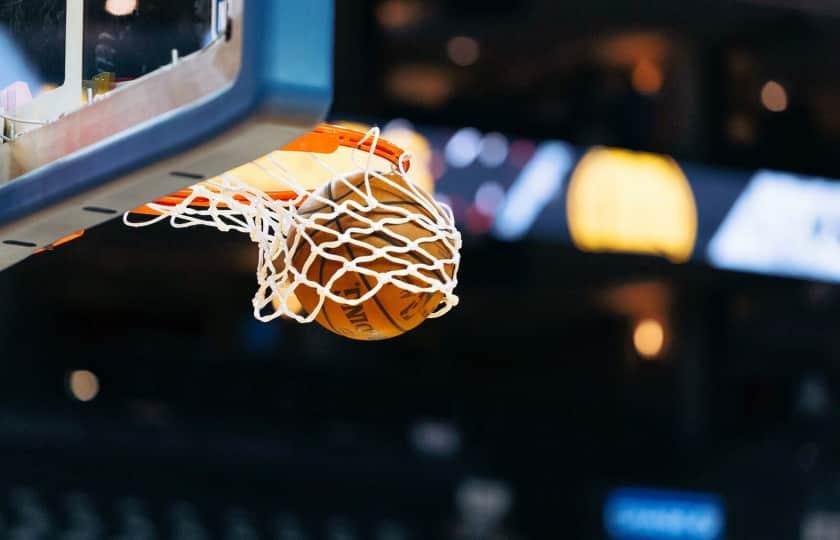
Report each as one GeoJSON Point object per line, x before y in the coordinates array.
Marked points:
{"type": "Point", "coordinates": [646, 346]}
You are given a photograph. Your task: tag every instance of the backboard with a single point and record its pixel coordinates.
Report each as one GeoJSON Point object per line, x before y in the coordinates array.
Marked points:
{"type": "Point", "coordinates": [109, 104]}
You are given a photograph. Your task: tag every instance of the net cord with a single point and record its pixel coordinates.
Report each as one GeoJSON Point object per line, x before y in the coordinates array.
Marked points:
{"type": "Point", "coordinates": [427, 264]}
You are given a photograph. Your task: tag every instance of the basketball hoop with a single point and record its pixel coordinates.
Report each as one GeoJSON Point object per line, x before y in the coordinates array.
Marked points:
{"type": "Point", "coordinates": [324, 139]}
{"type": "Point", "coordinates": [288, 202]}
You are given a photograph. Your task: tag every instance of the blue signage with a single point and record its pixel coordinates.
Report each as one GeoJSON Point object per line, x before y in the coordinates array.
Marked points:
{"type": "Point", "coordinates": [647, 514]}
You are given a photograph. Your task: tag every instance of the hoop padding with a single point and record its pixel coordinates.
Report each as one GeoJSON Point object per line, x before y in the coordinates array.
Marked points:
{"type": "Point", "coordinates": [280, 230]}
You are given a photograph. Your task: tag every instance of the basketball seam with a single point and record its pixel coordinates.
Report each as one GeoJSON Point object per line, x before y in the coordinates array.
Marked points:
{"type": "Point", "coordinates": [308, 213]}
{"type": "Point", "coordinates": [362, 276]}
{"type": "Point", "coordinates": [323, 307]}
{"type": "Point", "coordinates": [417, 257]}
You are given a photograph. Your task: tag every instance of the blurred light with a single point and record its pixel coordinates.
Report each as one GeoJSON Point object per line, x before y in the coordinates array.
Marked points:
{"type": "Point", "coordinates": [478, 223]}
{"type": "Point", "coordinates": [482, 505]}
{"type": "Point", "coordinates": [774, 97]}
{"type": "Point", "coordinates": [638, 299]}
{"type": "Point", "coordinates": [463, 51]}
{"type": "Point", "coordinates": [489, 197]}
{"type": "Point", "coordinates": [647, 77]}
{"type": "Point", "coordinates": [83, 384]}
{"type": "Point", "coordinates": [429, 86]}
{"type": "Point", "coordinates": [404, 136]}
{"type": "Point", "coordinates": [120, 8]}
{"type": "Point", "coordinates": [398, 124]}
{"type": "Point", "coordinates": [521, 151]}
{"type": "Point", "coordinates": [631, 202]}
{"type": "Point", "coordinates": [440, 439]}
{"type": "Point", "coordinates": [292, 302]}
{"type": "Point", "coordinates": [438, 164]}
{"type": "Point", "coordinates": [634, 513]}
{"type": "Point", "coordinates": [539, 182]}
{"type": "Point", "coordinates": [443, 198]}
{"type": "Point", "coordinates": [396, 14]}
{"type": "Point", "coordinates": [460, 207]}
{"type": "Point", "coordinates": [463, 148]}
{"type": "Point", "coordinates": [494, 150]}
{"type": "Point", "coordinates": [741, 129]}
{"type": "Point", "coordinates": [782, 224]}
{"type": "Point", "coordinates": [628, 50]}
{"type": "Point", "coordinates": [649, 338]}
{"type": "Point", "coordinates": [820, 525]}
{"type": "Point", "coordinates": [814, 397]}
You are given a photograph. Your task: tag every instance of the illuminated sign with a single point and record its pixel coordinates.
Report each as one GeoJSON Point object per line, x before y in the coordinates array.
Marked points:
{"type": "Point", "coordinates": [637, 514]}
{"type": "Point", "coordinates": [782, 224]}
{"type": "Point", "coordinates": [540, 181]}
{"type": "Point", "coordinates": [631, 202]}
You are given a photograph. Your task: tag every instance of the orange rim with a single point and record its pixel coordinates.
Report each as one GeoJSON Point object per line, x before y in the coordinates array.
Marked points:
{"type": "Point", "coordinates": [324, 139]}
{"type": "Point", "coordinates": [62, 241]}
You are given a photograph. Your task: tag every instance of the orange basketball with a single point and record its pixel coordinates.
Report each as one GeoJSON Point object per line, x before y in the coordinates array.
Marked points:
{"type": "Point", "coordinates": [392, 311]}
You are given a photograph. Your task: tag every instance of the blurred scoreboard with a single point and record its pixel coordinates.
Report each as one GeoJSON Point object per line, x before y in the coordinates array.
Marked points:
{"type": "Point", "coordinates": [618, 201]}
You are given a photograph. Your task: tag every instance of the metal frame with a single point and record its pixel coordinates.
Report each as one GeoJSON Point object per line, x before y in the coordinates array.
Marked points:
{"type": "Point", "coordinates": [265, 83]}
{"type": "Point", "coordinates": [50, 106]}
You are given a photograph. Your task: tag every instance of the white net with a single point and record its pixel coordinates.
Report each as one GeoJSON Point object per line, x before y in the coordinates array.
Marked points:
{"type": "Point", "coordinates": [421, 254]}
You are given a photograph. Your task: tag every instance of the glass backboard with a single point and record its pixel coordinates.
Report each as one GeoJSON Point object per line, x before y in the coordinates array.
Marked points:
{"type": "Point", "coordinates": [108, 104]}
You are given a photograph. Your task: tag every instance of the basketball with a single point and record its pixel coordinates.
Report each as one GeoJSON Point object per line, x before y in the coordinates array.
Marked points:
{"type": "Point", "coordinates": [392, 311]}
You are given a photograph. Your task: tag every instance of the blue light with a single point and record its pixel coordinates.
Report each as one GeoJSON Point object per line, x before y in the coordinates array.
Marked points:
{"type": "Point", "coordinates": [646, 514]}
{"type": "Point", "coordinates": [540, 181]}
{"type": "Point", "coordinates": [15, 64]}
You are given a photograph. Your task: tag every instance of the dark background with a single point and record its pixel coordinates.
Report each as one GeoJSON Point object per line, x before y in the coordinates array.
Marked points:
{"type": "Point", "coordinates": [529, 396]}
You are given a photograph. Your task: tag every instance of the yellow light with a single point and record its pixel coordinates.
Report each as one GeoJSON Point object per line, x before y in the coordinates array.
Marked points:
{"type": "Point", "coordinates": [120, 8]}
{"type": "Point", "coordinates": [292, 302]}
{"type": "Point", "coordinates": [774, 96]}
{"type": "Point", "coordinates": [647, 77]}
{"type": "Point", "coordinates": [421, 156]}
{"type": "Point", "coordinates": [83, 384]}
{"type": "Point", "coordinates": [649, 338]}
{"type": "Point", "coordinates": [463, 51]}
{"type": "Point", "coordinates": [631, 202]}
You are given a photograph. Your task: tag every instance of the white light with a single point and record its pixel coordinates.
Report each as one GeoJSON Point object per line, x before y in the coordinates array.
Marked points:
{"type": "Point", "coordinates": [398, 124]}
{"type": "Point", "coordinates": [441, 439]}
{"type": "Point", "coordinates": [83, 384]}
{"type": "Point", "coordinates": [489, 198]}
{"type": "Point", "coordinates": [494, 150]}
{"type": "Point", "coordinates": [782, 224]}
{"type": "Point", "coordinates": [483, 503]}
{"type": "Point", "coordinates": [120, 8]}
{"type": "Point", "coordinates": [540, 181]}
{"type": "Point", "coordinates": [463, 148]}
